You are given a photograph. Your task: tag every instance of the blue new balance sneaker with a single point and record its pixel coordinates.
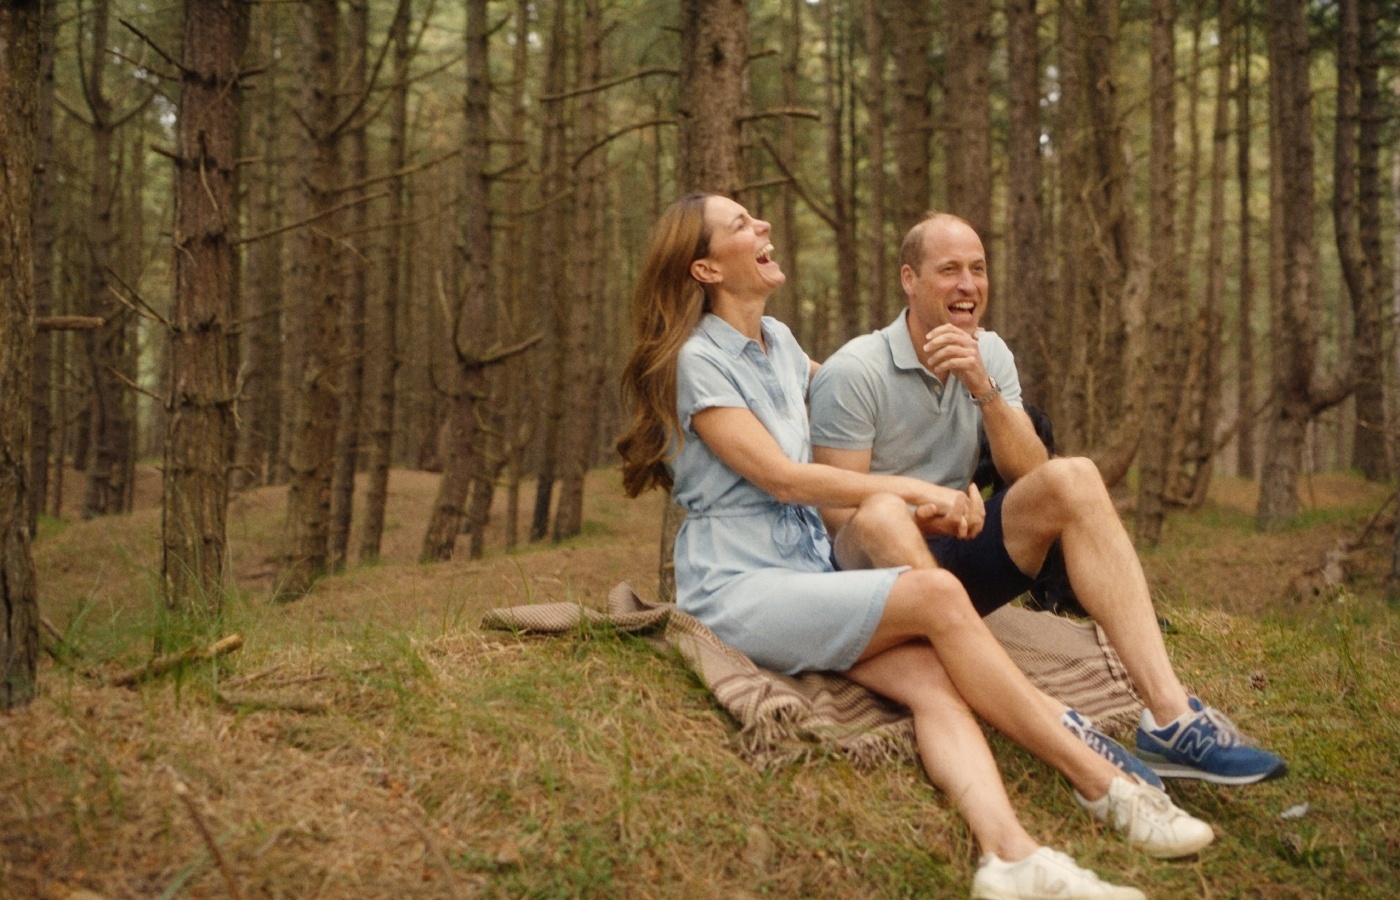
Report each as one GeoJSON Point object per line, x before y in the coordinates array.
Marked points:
{"type": "Point", "coordinates": [1204, 744]}
{"type": "Point", "coordinates": [1109, 749]}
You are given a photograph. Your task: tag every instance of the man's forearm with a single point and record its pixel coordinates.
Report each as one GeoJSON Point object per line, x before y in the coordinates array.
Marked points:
{"type": "Point", "coordinates": [1016, 448]}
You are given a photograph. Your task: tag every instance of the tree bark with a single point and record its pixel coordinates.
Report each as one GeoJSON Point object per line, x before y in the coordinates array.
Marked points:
{"type": "Point", "coordinates": [1297, 385]}
{"type": "Point", "coordinates": [260, 303]}
{"type": "Point", "coordinates": [1245, 455]}
{"type": "Point", "coordinates": [194, 502]}
{"type": "Point", "coordinates": [313, 282]}
{"type": "Point", "coordinates": [1103, 280]}
{"type": "Point", "coordinates": [19, 598]}
{"type": "Point", "coordinates": [356, 272]}
{"type": "Point", "coordinates": [581, 406]}
{"type": "Point", "coordinates": [842, 214]}
{"type": "Point", "coordinates": [714, 64]}
{"type": "Point", "coordinates": [105, 487]}
{"type": "Point", "coordinates": [1358, 266]}
{"type": "Point", "coordinates": [470, 331]}
{"type": "Point", "coordinates": [967, 101]}
{"type": "Point", "coordinates": [713, 93]}
{"type": "Point", "coordinates": [878, 285]}
{"type": "Point", "coordinates": [913, 111]}
{"type": "Point", "coordinates": [382, 334]}
{"type": "Point", "coordinates": [1164, 313]}
{"type": "Point", "coordinates": [1200, 413]}
{"type": "Point", "coordinates": [1024, 304]}
{"type": "Point", "coordinates": [41, 415]}
{"type": "Point", "coordinates": [554, 233]}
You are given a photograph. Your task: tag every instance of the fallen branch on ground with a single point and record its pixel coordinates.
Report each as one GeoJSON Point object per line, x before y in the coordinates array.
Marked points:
{"type": "Point", "coordinates": [162, 664]}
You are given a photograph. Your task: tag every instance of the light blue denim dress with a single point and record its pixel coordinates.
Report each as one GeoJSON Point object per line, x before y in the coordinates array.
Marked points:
{"type": "Point", "coordinates": [756, 571]}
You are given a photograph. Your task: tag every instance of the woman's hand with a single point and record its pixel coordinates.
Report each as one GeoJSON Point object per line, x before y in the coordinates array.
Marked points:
{"type": "Point", "coordinates": [962, 517]}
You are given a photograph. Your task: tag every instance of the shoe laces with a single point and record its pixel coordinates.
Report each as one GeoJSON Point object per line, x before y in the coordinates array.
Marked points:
{"type": "Point", "coordinates": [1227, 733]}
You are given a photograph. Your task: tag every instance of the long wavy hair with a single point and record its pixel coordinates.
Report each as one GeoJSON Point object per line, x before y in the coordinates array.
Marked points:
{"type": "Point", "coordinates": [667, 305]}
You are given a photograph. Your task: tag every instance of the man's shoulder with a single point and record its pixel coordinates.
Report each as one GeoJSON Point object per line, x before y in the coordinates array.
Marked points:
{"type": "Point", "coordinates": [859, 356]}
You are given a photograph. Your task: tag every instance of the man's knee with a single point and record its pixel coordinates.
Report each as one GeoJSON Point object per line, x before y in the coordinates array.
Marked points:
{"type": "Point", "coordinates": [1071, 478]}
{"type": "Point", "coordinates": [879, 518]}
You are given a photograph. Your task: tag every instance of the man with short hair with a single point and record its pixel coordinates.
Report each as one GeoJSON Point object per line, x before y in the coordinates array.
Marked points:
{"type": "Point", "coordinates": [909, 399]}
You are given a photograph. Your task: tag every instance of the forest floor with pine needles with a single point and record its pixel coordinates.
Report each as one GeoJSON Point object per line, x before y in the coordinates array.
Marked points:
{"type": "Point", "coordinates": [370, 740]}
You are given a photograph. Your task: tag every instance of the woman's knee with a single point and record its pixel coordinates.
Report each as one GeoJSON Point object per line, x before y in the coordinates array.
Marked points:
{"type": "Point", "coordinates": [937, 598]}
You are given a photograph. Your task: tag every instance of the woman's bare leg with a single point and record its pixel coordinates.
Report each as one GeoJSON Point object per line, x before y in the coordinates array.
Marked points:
{"type": "Point", "coordinates": [951, 744]}
{"type": "Point", "coordinates": [930, 605]}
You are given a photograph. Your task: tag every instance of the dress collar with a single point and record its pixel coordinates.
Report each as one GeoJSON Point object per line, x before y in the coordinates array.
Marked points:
{"type": "Point", "coordinates": [728, 338]}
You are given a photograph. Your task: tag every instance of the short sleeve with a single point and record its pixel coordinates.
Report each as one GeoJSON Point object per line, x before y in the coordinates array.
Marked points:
{"type": "Point", "coordinates": [702, 382]}
{"type": "Point", "coordinates": [1001, 365]}
{"type": "Point", "coordinates": [843, 405]}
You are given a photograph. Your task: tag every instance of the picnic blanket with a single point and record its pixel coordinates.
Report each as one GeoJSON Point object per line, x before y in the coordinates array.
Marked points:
{"type": "Point", "coordinates": [785, 718]}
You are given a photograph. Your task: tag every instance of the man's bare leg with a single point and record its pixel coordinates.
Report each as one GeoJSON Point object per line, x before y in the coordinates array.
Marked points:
{"type": "Point", "coordinates": [1065, 500]}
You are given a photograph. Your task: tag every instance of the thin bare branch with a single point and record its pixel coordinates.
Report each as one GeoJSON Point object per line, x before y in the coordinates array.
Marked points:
{"type": "Point", "coordinates": [248, 239]}
{"type": "Point", "coordinates": [604, 85]}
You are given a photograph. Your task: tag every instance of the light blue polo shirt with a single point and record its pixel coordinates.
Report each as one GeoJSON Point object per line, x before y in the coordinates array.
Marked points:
{"type": "Point", "coordinates": [874, 394]}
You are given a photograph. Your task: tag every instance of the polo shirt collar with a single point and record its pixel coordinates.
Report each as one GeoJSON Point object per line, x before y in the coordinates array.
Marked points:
{"type": "Point", "coordinates": [901, 346]}
{"type": "Point", "coordinates": [728, 338]}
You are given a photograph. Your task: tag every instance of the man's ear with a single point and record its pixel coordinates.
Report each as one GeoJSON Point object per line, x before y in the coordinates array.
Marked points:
{"type": "Point", "coordinates": [704, 271]}
{"type": "Point", "coordinates": [907, 277]}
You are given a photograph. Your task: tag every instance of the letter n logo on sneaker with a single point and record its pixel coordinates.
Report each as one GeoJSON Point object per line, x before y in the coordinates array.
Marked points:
{"type": "Point", "coordinates": [1194, 743]}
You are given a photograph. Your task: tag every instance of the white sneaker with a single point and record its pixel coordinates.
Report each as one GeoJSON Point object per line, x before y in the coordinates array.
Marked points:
{"type": "Point", "coordinates": [1148, 819]}
{"type": "Point", "coordinates": [1044, 875]}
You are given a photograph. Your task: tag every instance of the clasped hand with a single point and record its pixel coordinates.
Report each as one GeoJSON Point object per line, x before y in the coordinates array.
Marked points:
{"type": "Point", "coordinates": [957, 514]}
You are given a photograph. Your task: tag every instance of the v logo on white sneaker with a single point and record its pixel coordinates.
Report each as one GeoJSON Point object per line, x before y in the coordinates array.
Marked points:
{"type": "Point", "coordinates": [1047, 885]}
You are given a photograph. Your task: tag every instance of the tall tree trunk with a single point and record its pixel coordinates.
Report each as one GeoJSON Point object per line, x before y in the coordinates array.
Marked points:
{"type": "Point", "coordinates": [714, 63]}
{"type": "Point", "coordinates": [1245, 461]}
{"type": "Point", "coordinates": [1297, 386]}
{"type": "Point", "coordinates": [41, 418]}
{"type": "Point", "coordinates": [260, 301]}
{"type": "Point", "coordinates": [842, 214]}
{"type": "Point", "coordinates": [1103, 277]}
{"type": "Point", "coordinates": [553, 233]}
{"type": "Point", "coordinates": [913, 107]}
{"type": "Point", "coordinates": [19, 596]}
{"type": "Point", "coordinates": [967, 100]}
{"type": "Point", "coordinates": [1199, 413]}
{"type": "Point", "coordinates": [1165, 312]}
{"type": "Point", "coordinates": [356, 273]}
{"type": "Point", "coordinates": [194, 502]}
{"type": "Point", "coordinates": [313, 282]}
{"type": "Point", "coordinates": [581, 407]}
{"type": "Point", "coordinates": [1352, 175]}
{"type": "Point", "coordinates": [878, 285]}
{"type": "Point", "coordinates": [788, 301]}
{"type": "Point", "coordinates": [713, 95]}
{"type": "Point", "coordinates": [468, 339]}
{"type": "Point", "coordinates": [382, 334]}
{"type": "Point", "coordinates": [105, 487]}
{"type": "Point", "coordinates": [1025, 305]}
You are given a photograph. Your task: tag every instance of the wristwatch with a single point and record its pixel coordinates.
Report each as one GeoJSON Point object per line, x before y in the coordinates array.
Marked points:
{"type": "Point", "coordinates": [983, 399]}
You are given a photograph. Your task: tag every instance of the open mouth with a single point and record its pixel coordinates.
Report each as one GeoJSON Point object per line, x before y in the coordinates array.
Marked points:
{"type": "Point", "coordinates": [967, 308]}
{"type": "Point", "coordinates": [765, 255]}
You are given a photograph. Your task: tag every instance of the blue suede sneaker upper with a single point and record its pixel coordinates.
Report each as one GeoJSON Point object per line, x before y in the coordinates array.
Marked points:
{"type": "Point", "coordinates": [1108, 748]}
{"type": "Point", "coordinates": [1206, 745]}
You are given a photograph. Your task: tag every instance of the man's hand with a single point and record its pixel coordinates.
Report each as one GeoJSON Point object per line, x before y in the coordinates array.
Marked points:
{"type": "Point", "coordinates": [950, 350]}
{"type": "Point", "coordinates": [962, 521]}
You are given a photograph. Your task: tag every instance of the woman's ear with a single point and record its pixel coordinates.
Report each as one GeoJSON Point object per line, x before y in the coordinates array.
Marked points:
{"type": "Point", "coordinates": [704, 271]}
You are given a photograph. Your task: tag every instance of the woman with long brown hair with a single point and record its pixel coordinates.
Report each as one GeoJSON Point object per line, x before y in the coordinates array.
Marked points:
{"type": "Point", "coordinates": [718, 418]}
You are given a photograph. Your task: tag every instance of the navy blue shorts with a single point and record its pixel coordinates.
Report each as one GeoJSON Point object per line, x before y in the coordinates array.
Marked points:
{"type": "Point", "coordinates": [982, 564]}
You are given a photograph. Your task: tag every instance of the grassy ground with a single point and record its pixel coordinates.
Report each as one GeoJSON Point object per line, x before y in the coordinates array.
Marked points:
{"type": "Point", "coordinates": [427, 758]}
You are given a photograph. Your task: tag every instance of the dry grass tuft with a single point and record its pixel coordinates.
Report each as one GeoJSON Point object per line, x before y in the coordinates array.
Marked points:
{"type": "Point", "coordinates": [370, 741]}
